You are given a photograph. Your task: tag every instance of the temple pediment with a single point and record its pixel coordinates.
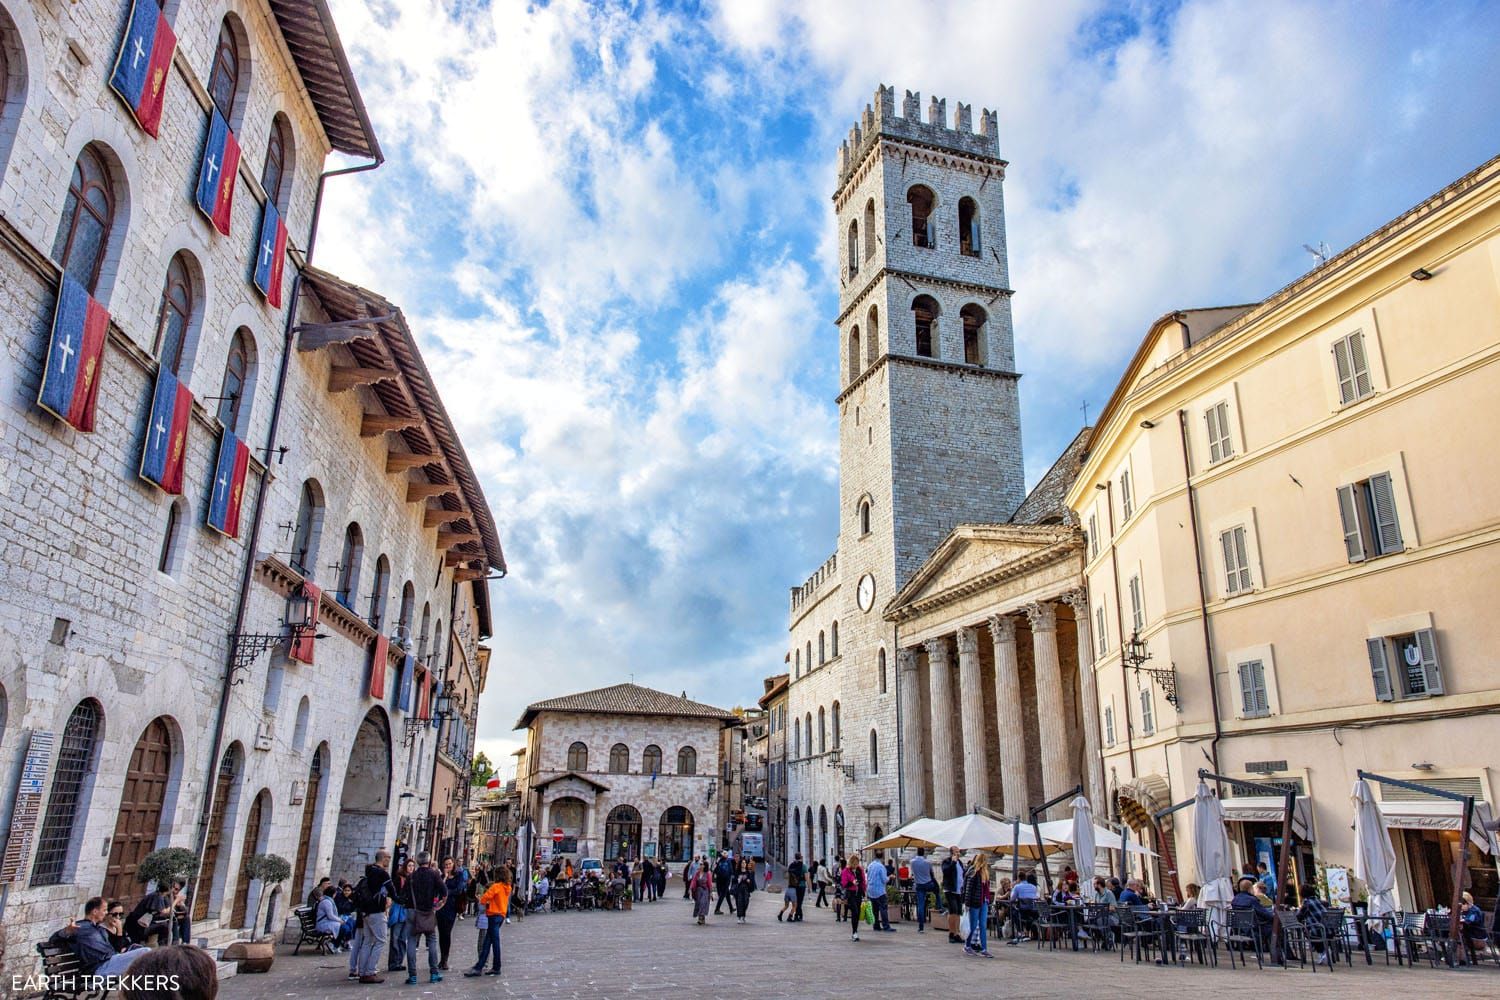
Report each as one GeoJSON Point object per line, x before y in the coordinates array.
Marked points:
{"type": "Point", "coordinates": [975, 557]}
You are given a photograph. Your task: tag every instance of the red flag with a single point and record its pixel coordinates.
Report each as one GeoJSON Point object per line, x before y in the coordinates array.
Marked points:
{"type": "Point", "coordinates": [379, 659]}
{"type": "Point", "coordinates": [492, 784]}
{"type": "Point", "coordinates": [302, 646]}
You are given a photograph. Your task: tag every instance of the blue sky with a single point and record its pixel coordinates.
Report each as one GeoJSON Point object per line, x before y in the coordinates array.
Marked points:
{"type": "Point", "coordinates": [610, 227]}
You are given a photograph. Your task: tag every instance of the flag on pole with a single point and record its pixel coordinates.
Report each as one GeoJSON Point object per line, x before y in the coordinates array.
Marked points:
{"type": "Point", "coordinates": [216, 172]}
{"type": "Point", "coordinates": [145, 57]}
{"type": "Point", "coordinates": [403, 689]}
{"type": "Point", "coordinates": [166, 433]}
{"type": "Point", "coordinates": [229, 485]}
{"type": "Point", "coordinates": [380, 656]}
{"type": "Point", "coordinates": [493, 784]}
{"type": "Point", "coordinates": [270, 254]}
{"type": "Point", "coordinates": [70, 383]}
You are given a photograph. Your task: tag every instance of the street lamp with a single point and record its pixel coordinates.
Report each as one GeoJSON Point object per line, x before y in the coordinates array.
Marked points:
{"type": "Point", "coordinates": [1136, 652]}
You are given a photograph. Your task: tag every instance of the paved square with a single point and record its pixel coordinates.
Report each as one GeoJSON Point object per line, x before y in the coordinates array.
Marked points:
{"type": "Point", "coordinates": [656, 947]}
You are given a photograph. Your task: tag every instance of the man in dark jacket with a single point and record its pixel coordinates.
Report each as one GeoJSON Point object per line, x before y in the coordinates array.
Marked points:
{"type": "Point", "coordinates": [371, 900]}
{"type": "Point", "coordinates": [1244, 899]}
{"type": "Point", "coordinates": [952, 901]}
{"type": "Point", "coordinates": [722, 872]}
{"type": "Point", "coordinates": [428, 893]}
{"type": "Point", "coordinates": [796, 880]}
{"type": "Point", "coordinates": [90, 942]}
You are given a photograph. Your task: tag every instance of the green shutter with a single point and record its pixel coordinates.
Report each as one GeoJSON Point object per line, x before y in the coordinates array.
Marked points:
{"type": "Point", "coordinates": [1383, 507]}
{"type": "Point", "coordinates": [1380, 669]}
{"type": "Point", "coordinates": [1427, 643]}
{"type": "Point", "coordinates": [1354, 542]}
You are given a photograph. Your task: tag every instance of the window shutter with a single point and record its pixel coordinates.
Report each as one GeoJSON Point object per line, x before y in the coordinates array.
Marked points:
{"type": "Point", "coordinates": [1359, 365]}
{"type": "Point", "coordinates": [1226, 445]}
{"type": "Point", "coordinates": [1427, 643]}
{"type": "Point", "coordinates": [1231, 578]}
{"type": "Point", "coordinates": [1211, 417]}
{"type": "Point", "coordinates": [1341, 368]}
{"type": "Point", "coordinates": [1241, 559]}
{"type": "Point", "coordinates": [1383, 503]}
{"type": "Point", "coordinates": [1262, 696]}
{"type": "Point", "coordinates": [974, 234]}
{"type": "Point", "coordinates": [1380, 669]}
{"type": "Point", "coordinates": [1354, 542]}
{"type": "Point", "coordinates": [1247, 691]}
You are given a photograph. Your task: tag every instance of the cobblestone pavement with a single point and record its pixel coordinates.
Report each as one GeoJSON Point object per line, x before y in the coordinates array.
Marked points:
{"type": "Point", "coordinates": [657, 948]}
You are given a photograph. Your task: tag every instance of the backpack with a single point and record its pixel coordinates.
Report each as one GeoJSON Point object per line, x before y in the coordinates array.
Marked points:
{"type": "Point", "coordinates": [366, 898]}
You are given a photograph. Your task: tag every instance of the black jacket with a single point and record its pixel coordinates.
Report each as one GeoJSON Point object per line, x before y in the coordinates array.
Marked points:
{"type": "Point", "coordinates": [973, 892]}
{"type": "Point", "coordinates": [950, 875]}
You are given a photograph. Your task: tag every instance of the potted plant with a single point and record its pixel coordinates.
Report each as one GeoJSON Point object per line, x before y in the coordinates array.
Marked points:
{"type": "Point", "coordinates": [258, 953]}
{"type": "Point", "coordinates": [167, 864]}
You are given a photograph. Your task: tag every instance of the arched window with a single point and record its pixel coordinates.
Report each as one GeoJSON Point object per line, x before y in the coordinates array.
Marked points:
{"type": "Point", "coordinates": [55, 845]}
{"type": "Point", "coordinates": [921, 200]}
{"type": "Point", "coordinates": [234, 396]}
{"type": "Point", "coordinates": [822, 831]}
{"type": "Point", "coordinates": [309, 526]}
{"type": "Point", "coordinates": [855, 358]}
{"type": "Point", "coordinates": [578, 757]}
{"type": "Point", "coordinates": [276, 174]}
{"type": "Point", "coordinates": [809, 655]}
{"type": "Point", "coordinates": [87, 219]}
{"type": "Point", "coordinates": [822, 730]}
{"type": "Point", "coordinates": [864, 517]}
{"type": "Point", "coordinates": [796, 738]}
{"type": "Point", "coordinates": [224, 80]}
{"type": "Point", "coordinates": [169, 560]}
{"type": "Point", "coordinates": [687, 761]}
{"type": "Point", "coordinates": [299, 731]}
{"type": "Point", "coordinates": [619, 759]}
{"type": "Point", "coordinates": [381, 593]}
{"type": "Point", "coordinates": [874, 753]}
{"type": "Point", "coordinates": [175, 314]}
{"type": "Point", "coordinates": [349, 560]}
{"type": "Point", "coordinates": [973, 319]}
{"type": "Point", "coordinates": [424, 635]}
{"type": "Point", "coordinates": [872, 336]}
{"type": "Point", "coordinates": [880, 664]}
{"type": "Point", "coordinates": [807, 724]}
{"type": "Point", "coordinates": [797, 663]}
{"type": "Point", "coordinates": [622, 834]}
{"type": "Point", "coordinates": [651, 760]}
{"type": "Point", "coordinates": [834, 639]}
{"type": "Point", "coordinates": [853, 247]}
{"type": "Point", "coordinates": [968, 227]}
{"type": "Point", "coordinates": [835, 713]}
{"type": "Point", "coordinates": [796, 827]}
{"type": "Point", "coordinates": [822, 651]}
{"type": "Point", "coordinates": [924, 312]}
{"type": "Point", "coordinates": [869, 229]}
{"type": "Point", "coordinates": [675, 834]}
{"type": "Point", "coordinates": [403, 620]}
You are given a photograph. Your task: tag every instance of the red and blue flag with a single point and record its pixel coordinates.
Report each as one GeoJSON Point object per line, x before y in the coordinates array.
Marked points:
{"type": "Point", "coordinates": [70, 383]}
{"type": "Point", "coordinates": [302, 647]}
{"type": "Point", "coordinates": [379, 659]}
{"type": "Point", "coordinates": [216, 172]}
{"type": "Point", "coordinates": [270, 255]}
{"type": "Point", "coordinates": [140, 74]}
{"type": "Point", "coordinates": [229, 485]}
{"type": "Point", "coordinates": [166, 433]}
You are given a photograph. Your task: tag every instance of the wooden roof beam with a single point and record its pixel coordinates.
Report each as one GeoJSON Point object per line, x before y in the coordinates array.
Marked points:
{"type": "Point", "coordinates": [342, 378]}
{"type": "Point", "coordinates": [459, 558]}
{"type": "Point", "coordinates": [400, 461]}
{"type": "Point", "coordinates": [436, 517]}
{"type": "Point", "coordinates": [317, 336]}
{"type": "Point", "coordinates": [448, 539]}
{"type": "Point", "coordinates": [463, 574]}
{"type": "Point", "coordinates": [416, 492]}
{"type": "Point", "coordinates": [376, 424]}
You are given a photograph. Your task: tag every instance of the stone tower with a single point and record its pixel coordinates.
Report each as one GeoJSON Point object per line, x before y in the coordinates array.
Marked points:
{"type": "Point", "coordinates": [930, 433]}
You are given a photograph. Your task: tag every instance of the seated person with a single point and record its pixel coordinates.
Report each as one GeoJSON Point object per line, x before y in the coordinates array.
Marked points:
{"type": "Point", "coordinates": [542, 888]}
{"type": "Point", "coordinates": [328, 919]}
{"type": "Point", "coordinates": [90, 939]}
{"type": "Point", "coordinates": [1245, 899]}
{"type": "Point", "coordinates": [1025, 895]}
{"type": "Point", "coordinates": [1471, 923]}
{"type": "Point", "coordinates": [182, 913]}
{"type": "Point", "coordinates": [1311, 913]}
{"type": "Point", "coordinates": [316, 896]}
{"type": "Point", "coordinates": [1131, 895]}
{"type": "Point", "coordinates": [1192, 902]}
{"type": "Point", "coordinates": [151, 918]}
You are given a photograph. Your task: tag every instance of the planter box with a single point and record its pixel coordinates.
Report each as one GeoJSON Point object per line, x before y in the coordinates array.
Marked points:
{"type": "Point", "coordinates": [252, 956]}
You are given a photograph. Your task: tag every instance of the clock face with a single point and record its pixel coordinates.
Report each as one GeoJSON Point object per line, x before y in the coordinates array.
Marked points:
{"type": "Point", "coordinates": [866, 592]}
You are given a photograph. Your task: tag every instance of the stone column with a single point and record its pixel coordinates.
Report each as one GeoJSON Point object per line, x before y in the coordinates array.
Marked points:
{"type": "Point", "coordinates": [1009, 722]}
{"type": "Point", "coordinates": [940, 706]}
{"type": "Point", "coordinates": [914, 755]}
{"type": "Point", "coordinates": [1088, 694]}
{"type": "Point", "coordinates": [1051, 720]}
{"type": "Point", "coordinates": [971, 715]}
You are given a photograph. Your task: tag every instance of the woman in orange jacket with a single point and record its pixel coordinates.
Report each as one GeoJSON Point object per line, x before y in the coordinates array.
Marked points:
{"type": "Point", "coordinates": [493, 906]}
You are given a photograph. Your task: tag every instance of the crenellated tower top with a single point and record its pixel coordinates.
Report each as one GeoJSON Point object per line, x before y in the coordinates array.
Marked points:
{"type": "Point", "coordinates": [880, 118]}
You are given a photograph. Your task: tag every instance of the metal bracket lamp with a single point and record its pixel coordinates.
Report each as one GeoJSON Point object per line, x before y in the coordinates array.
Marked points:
{"type": "Point", "coordinates": [1137, 653]}
{"type": "Point", "coordinates": [245, 647]}
{"type": "Point", "coordinates": [835, 757]}
{"type": "Point", "coordinates": [442, 710]}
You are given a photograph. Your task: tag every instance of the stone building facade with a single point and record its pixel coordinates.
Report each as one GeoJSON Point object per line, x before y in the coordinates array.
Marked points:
{"type": "Point", "coordinates": [130, 719]}
{"type": "Point", "coordinates": [623, 771]}
{"type": "Point", "coordinates": [929, 438]}
{"type": "Point", "coordinates": [468, 669]}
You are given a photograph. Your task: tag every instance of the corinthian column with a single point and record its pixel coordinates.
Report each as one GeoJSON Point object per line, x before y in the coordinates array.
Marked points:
{"type": "Point", "coordinates": [914, 754]}
{"type": "Point", "coordinates": [971, 715]}
{"type": "Point", "coordinates": [1009, 724]}
{"type": "Point", "coordinates": [1051, 720]}
{"type": "Point", "coordinates": [940, 705]}
{"type": "Point", "coordinates": [1088, 694]}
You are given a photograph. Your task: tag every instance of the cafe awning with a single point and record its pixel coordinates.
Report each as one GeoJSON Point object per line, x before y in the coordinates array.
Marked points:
{"type": "Point", "coordinates": [1439, 814]}
{"type": "Point", "coordinates": [1269, 809]}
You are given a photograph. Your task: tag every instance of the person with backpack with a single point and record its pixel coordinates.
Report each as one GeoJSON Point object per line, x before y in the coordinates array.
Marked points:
{"type": "Point", "coordinates": [427, 893]}
{"type": "Point", "coordinates": [853, 880]}
{"type": "Point", "coordinates": [723, 874]}
{"type": "Point", "coordinates": [371, 900]}
{"type": "Point", "coordinates": [400, 912]}
{"type": "Point", "coordinates": [796, 880]}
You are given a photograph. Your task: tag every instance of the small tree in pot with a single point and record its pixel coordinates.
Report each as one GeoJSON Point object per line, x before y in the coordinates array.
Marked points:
{"type": "Point", "coordinates": [256, 954]}
{"type": "Point", "coordinates": [167, 864]}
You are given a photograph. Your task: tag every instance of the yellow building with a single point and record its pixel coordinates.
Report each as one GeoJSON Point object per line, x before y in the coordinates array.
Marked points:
{"type": "Point", "coordinates": [1295, 506]}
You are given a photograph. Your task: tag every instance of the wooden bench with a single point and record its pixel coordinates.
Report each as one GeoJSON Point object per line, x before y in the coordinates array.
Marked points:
{"type": "Point", "coordinates": [64, 973]}
{"type": "Point", "coordinates": [307, 922]}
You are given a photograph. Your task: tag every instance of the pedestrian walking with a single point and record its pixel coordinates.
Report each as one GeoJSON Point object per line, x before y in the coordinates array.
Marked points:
{"type": "Point", "coordinates": [400, 910]}
{"type": "Point", "coordinates": [838, 891]}
{"type": "Point", "coordinates": [455, 893]}
{"type": "Point", "coordinates": [877, 878]}
{"type": "Point", "coordinates": [661, 881]}
{"type": "Point", "coordinates": [371, 903]}
{"type": "Point", "coordinates": [853, 881]}
{"type": "Point", "coordinates": [701, 886]}
{"type": "Point", "coordinates": [428, 893]}
{"type": "Point", "coordinates": [723, 875]}
{"type": "Point", "coordinates": [820, 883]}
{"type": "Point", "coordinates": [977, 905]}
{"type": "Point", "coordinates": [744, 886]}
{"type": "Point", "coordinates": [953, 883]}
{"type": "Point", "coordinates": [796, 877]}
{"type": "Point", "coordinates": [648, 880]}
{"type": "Point", "coordinates": [493, 906]}
{"type": "Point", "coordinates": [922, 878]}
{"type": "Point", "coordinates": [687, 878]}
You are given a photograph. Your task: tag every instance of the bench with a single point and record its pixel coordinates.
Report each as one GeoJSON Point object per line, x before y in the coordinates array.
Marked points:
{"type": "Point", "coordinates": [63, 972]}
{"type": "Point", "coordinates": [307, 923]}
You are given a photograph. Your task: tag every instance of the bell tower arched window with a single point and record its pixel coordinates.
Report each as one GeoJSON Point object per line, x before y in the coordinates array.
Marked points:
{"type": "Point", "coordinates": [869, 229]}
{"type": "Point", "coordinates": [923, 232]}
{"type": "Point", "coordinates": [973, 319]}
{"type": "Point", "coordinates": [968, 227]}
{"type": "Point", "coordinates": [853, 247]}
{"type": "Point", "coordinates": [872, 336]}
{"type": "Point", "coordinates": [924, 311]}
{"type": "Point", "coordinates": [854, 355]}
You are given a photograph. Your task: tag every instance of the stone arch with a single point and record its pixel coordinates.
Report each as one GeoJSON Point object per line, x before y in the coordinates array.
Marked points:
{"type": "Point", "coordinates": [213, 870]}
{"type": "Point", "coordinates": [256, 837]}
{"type": "Point", "coordinates": [970, 242]}
{"type": "Point", "coordinates": [822, 833]}
{"type": "Point", "coordinates": [197, 293]}
{"type": "Point", "coordinates": [675, 834]}
{"type": "Point", "coordinates": [299, 730]}
{"type": "Point", "coordinates": [74, 773]}
{"type": "Point", "coordinates": [622, 834]}
{"type": "Point", "coordinates": [872, 335]}
{"type": "Point", "coordinates": [105, 133]}
{"type": "Point", "coordinates": [174, 539]}
{"type": "Point", "coordinates": [21, 56]}
{"type": "Point", "coordinates": [314, 796]}
{"type": "Point", "coordinates": [153, 778]}
{"type": "Point", "coordinates": [240, 327]}
{"type": "Point", "coordinates": [365, 794]}
{"type": "Point", "coordinates": [925, 313]}
{"type": "Point", "coordinates": [923, 203]}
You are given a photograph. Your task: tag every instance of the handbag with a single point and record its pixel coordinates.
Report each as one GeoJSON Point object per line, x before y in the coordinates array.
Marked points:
{"type": "Point", "coordinates": [423, 921]}
{"type": "Point", "coordinates": [481, 922]}
{"type": "Point", "coordinates": [963, 924]}
{"type": "Point", "coordinates": [397, 915]}
{"type": "Point", "coordinates": [867, 913]}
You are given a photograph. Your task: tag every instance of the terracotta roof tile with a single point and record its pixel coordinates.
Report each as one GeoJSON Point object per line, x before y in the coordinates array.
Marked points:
{"type": "Point", "coordinates": [625, 699]}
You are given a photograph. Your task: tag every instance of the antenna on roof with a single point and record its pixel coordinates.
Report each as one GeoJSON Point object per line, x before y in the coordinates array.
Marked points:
{"type": "Point", "coordinates": [1321, 253]}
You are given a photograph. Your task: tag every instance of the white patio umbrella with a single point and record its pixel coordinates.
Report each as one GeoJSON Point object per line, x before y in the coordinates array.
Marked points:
{"type": "Point", "coordinates": [1060, 831]}
{"type": "Point", "coordinates": [913, 834]}
{"type": "Point", "coordinates": [1211, 853]}
{"type": "Point", "coordinates": [1374, 858]}
{"type": "Point", "coordinates": [975, 832]}
{"type": "Point", "coordinates": [1083, 836]}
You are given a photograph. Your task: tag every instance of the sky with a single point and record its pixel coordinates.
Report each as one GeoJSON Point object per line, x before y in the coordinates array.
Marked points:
{"type": "Point", "coordinates": [610, 228]}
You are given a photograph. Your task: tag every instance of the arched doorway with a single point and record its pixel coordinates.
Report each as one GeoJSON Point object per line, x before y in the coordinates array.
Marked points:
{"type": "Point", "coordinates": [622, 834]}
{"type": "Point", "coordinates": [676, 834]}
{"type": "Point", "coordinates": [838, 831]}
{"type": "Point", "coordinates": [208, 872]}
{"type": "Point", "coordinates": [823, 833]}
{"type": "Point", "coordinates": [138, 824]}
{"type": "Point", "coordinates": [309, 817]}
{"type": "Point", "coordinates": [364, 802]}
{"type": "Point", "coordinates": [257, 828]}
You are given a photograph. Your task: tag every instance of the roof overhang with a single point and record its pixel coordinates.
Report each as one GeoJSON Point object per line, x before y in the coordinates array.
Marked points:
{"type": "Point", "coordinates": [313, 40]}
{"type": "Point", "coordinates": [537, 786]}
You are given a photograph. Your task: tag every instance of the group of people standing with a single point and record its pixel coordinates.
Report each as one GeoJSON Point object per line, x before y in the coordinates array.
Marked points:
{"type": "Point", "coordinates": [727, 878]}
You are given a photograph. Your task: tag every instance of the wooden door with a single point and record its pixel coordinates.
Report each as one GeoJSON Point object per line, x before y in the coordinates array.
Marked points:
{"type": "Point", "coordinates": [309, 813]}
{"type": "Point", "coordinates": [222, 787]}
{"type": "Point", "coordinates": [139, 820]}
{"type": "Point", "coordinates": [238, 915]}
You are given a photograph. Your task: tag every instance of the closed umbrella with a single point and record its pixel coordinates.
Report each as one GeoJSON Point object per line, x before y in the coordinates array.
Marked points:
{"type": "Point", "coordinates": [1374, 858]}
{"type": "Point", "coordinates": [1083, 836]}
{"type": "Point", "coordinates": [1211, 853]}
{"type": "Point", "coordinates": [1060, 831]}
